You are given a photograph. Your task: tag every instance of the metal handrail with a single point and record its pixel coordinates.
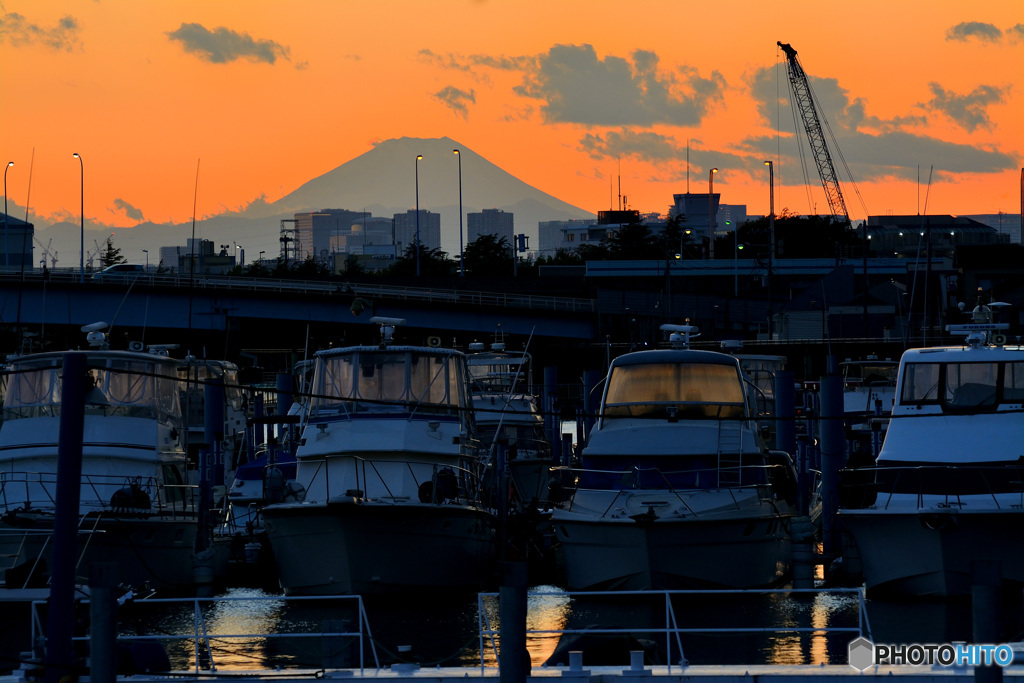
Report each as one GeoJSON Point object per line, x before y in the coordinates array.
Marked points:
{"type": "Point", "coordinates": [671, 630]}
{"type": "Point", "coordinates": [201, 638]}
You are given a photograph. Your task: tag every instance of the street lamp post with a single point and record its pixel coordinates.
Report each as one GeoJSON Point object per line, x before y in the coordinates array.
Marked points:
{"type": "Point", "coordinates": [462, 265]}
{"type": "Point", "coordinates": [711, 222]}
{"type": "Point", "coordinates": [81, 251]}
{"type": "Point", "coordinates": [7, 251]}
{"type": "Point", "coordinates": [261, 257]}
{"type": "Point", "coordinates": [771, 246]}
{"type": "Point", "coordinates": [146, 252]}
{"type": "Point", "coordinates": [418, 157]}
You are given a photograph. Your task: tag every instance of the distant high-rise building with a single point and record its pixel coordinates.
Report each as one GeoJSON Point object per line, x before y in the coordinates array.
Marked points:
{"type": "Point", "coordinates": [490, 222]}
{"type": "Point", "coordinates": [405, 230]}
{"type": "Point", "coordinates": [315, 231]}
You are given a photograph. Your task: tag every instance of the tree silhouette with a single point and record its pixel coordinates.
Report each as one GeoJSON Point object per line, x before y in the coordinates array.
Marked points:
{"type": "Point", "coordinates": [111, 255]}
{"type": "Point", "coordinates": [488, 255]}
{"type": "Point", "coordinates": [433, 262]}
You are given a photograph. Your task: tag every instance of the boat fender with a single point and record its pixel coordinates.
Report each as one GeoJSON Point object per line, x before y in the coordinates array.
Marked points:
{"type": "Point", "coordinates": [426, 492]}
{"type": "Point", "coordinates": [130, 498]}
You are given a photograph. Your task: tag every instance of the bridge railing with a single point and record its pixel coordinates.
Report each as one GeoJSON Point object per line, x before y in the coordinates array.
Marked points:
{"type": "Point", "coordinates": [270, 285]}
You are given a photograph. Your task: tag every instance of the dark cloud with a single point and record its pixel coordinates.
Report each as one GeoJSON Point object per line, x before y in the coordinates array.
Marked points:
{"type": "Point", "coordinates": [1016, 32]}
{"type": "Point", "coordinates": [129, 210]}
{"type": "Point", "coordinates": [18, 31]}
{"type": "Point", "coordinates": [974, 29]}
{"type": "Point", "coordinates": [646, 146]}
{"type": "Point", "coordinates": [222, 45]}
{"type": "Point", "coordinates": [457, 100]}
{"type": "Point", "coordinates": [889, 150]}
{"type": "Point", "coordinates": [967, 110]}
{"type": "Point", "coordinates": [578, 87]}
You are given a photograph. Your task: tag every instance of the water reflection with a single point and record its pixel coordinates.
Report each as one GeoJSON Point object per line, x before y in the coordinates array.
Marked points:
{"type": "Point", "coordinates": [715, 628]}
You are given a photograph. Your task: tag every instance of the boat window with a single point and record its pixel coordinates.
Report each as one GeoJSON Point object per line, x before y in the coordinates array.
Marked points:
{"type": "Point", "coordinates": [920, 383]}
{"type": "Point", "coordinates": [1013, 383]}
{"type": "Point", "coordinates": [430, 381]}
{"type": "Point", "coordinates": [971, 385]}
{"type": "Point", "coordinates": [699, 389]}
{"type": "Point", "coordinates": [32, 390]}
{"type": "Point", "coordinates": [332, 383]}
{"type": "Point", "coordinates": [381, 377]}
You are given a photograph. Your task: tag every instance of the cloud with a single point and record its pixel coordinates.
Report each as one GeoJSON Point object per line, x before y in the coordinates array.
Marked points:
{"type": "Point", "coordinates": [1016, 32]}
{"type": "Point", "coordinates": [17, 31]}
{"type": "Point", "coordinates": [222, 45]}
{"type": "Point", "coordinates": [967, 110]}
{"type": "Point", "coordinates": [578, 87]}
{"type": "Point", "coordinates": [129, 210]}
{"type": "Point", "coordinates": [456, 99]}
{"type": "Point", "coordinates": [646, 146]}
{"type": "Point", "coordinates": [964, 31]}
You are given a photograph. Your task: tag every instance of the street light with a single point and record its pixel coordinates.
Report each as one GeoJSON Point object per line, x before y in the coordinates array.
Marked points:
{"type": "Point", "coordinates": [418, 157]}
{"type": "Point", "coordinates": [462, 265]}
{"type": "Point", "coordinates": [261, 257]}
{"type": "Point", "coordinates": [146, 252]}
{"type": "Point", "coordinates": [771, 249]}
{"type": "Point", "coordinates": [81, 252]}
{"type": "Point", "coordinates": [7, 252]}
{"type": "Point", "coordinates": [711, 226]}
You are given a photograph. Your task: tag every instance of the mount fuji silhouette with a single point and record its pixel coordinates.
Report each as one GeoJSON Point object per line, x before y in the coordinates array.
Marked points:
{"type": "Point", "coordinates": [383, 181]}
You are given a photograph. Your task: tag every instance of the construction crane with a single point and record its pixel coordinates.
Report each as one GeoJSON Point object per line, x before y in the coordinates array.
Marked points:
{"type": "Point", "coordinates": [804, 101]}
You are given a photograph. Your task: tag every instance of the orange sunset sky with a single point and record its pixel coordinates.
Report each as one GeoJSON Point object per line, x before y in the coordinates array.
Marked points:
{"type": "Point", "coordinates": [575, 98]}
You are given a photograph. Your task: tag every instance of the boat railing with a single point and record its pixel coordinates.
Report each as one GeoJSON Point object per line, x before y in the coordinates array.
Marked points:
{"type": "Point", "coordinates": [434, 482]}
{"type": "Point", "coordinates": [673, 482]}
{"type": "Point", "coordinates": [100, 493]}
{"type": "Point", "coordinates": [669, 629]}
{"type": "Point", "coordinates": [205, 642]}
{"type": "Point", "coordinates": [933, 486]}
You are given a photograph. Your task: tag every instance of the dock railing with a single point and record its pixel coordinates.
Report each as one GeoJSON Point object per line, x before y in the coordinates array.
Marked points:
{"type": "Point", "coordinates": [202, 639]}
{"type": "Point", "coordinates": [670, 631]}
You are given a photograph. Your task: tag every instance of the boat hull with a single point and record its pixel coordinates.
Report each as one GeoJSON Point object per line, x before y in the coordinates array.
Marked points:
{"type": "Point", "coordinates": [739, 552]}
{"type": "Point", "coordinates": [928, 553]}
{"type": "Point", "coordinates": [355, 546]}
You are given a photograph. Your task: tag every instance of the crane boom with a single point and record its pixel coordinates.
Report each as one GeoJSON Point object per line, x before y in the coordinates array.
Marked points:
{"type": "Point", "coordinates": [804, 101]}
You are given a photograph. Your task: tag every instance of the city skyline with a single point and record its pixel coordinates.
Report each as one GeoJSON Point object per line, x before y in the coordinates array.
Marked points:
{"type": "Point", "coordinates": [218, 105]}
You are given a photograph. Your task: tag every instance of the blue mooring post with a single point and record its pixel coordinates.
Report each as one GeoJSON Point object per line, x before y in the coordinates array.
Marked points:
{"type": "Point", "coordinates": [513, 657]}
{"type": "Point", "coordinates": [785, 412]}
{"type": "Point", "coordinates": [986, 580]}
{"type": "Point", "coordinates": [102, 622]}
{"type": "Point", "coordinates": [213, 427]}
{"type": "Point", "coordinates": [833, 457]}
{"type": "Point", "coordinates": [60, 630]}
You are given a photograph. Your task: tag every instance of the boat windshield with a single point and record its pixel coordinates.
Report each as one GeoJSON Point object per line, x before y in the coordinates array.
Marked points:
{"type": "Point", "coordinates": [870, 373]}
{"type": "Point", "coordinates": [389, 382]}
{"type": "Point", "coordinates": [116, 386]}
{"type": "Point", "coordinates": [963, 386]}
{"type": "Point", "coordinates": [679, 390]}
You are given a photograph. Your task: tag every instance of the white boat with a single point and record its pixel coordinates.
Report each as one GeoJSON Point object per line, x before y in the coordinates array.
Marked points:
{"type": "Point", "coordinates": [391, 480]}
{"type": "Point", "coordinates": [137, 507]}
{"type": "Point", "coordinates": [947, 487]}
{"type": "Point", "coordinates": [505, 407]}
{"type": "Point", "coordinates": [676, 488]}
